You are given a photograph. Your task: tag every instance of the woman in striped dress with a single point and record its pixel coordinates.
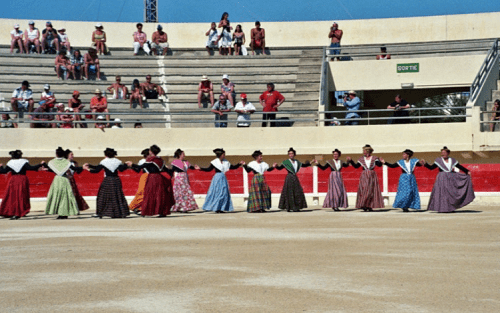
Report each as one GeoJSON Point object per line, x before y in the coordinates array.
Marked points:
{"type": "Point", "coordinates": [407, 195]}
{"type": "Point", "coordinates": [259, 198]}
{"type": "Point", "coordinates": [218, 198]}
{"type": "Point", "coordinates": [60, 199]}
{"type": "Point", "coordinates": [336, 197]}
{"type": "Point", "coordinates": [16, 201]}
{"type": "Point", "coordinates": [184, 198]}
{"type": "Point", "coordinates": [158, 194]}
{"type": "Point", "coordinates": [82, 204]}
{"type": "Point", "coordinates": [292, 195]}
{"type": "Point", "coordinates": [135, 205]}
{"type": "Point", "coordinates": [111, 201]}
{"type": "Point", "coordinates": [369, 195]}
{"type": "Point", "coordinates": [452, 190]}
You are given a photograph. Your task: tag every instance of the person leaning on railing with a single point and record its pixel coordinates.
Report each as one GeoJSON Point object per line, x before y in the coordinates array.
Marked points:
{"type": "Point", "coordinates": [352, 103]}
{"type": "Point", "coordinates": [495, 116]}
{"type": "Point", "coordinates": [400, 107]}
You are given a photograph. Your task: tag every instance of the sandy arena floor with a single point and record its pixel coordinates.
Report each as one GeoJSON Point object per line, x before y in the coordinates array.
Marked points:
{"type": "Point", "coordinates": [315, 261]}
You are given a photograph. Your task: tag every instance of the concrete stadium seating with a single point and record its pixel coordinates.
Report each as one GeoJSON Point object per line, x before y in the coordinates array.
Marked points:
{"type": "Point", "coordinates": [295, 72]}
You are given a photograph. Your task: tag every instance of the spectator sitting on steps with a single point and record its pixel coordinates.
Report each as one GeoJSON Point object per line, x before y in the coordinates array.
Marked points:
{"type": "Point", "coordinates": [16, 36]}
{"type": "Point", "coordinates": [227, 89]}
{"type": "Point", "coordinates": [92, 63]}
{"type": "Point", "coordinates": [39, 116]}
{"type": "Point", "coordinates": [99, 104]}
{"type": "Point", "coordinates": [205, 89]}
{"type": "Point", "coordinates": [99, 39]}
{"type": "Point", "coordinates": [32, 37]}
{"type": "Point", "coordinates": [117, 89]}
{"type": "Point", "coordinates": [140, 40]}
{"type": "Point", "coordinates": [160, 41]}
{"type": "Point", "coordinates": [76, 105]}
{"type": "Point", "coordinates": [50, 39]}
{"type": "Point", "coordinates": [64, 40]}
{"type": "Point", "coordinates": [258, 38]}
{"type": "Point", "coordinates": [212, 35]}
{"type": "Point", "coordinates": [62, 64]}
{"type": "Point", "coordinates": [48, 97]}
{"type": "Point", "coordinates": [136, 93]}
{"type": "Point", "coordinates": [77, 64]}
{"type": "Point", "coordinates": [22, 100]}
{"type": "Point", "coordinates": [151, 90]}
{"type": "Point", "coordinates": [219, 109]}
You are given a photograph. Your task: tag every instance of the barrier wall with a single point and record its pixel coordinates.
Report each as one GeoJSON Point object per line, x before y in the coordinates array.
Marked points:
{"type": "Point", "coordinates": [314, 181]}
{"type": "Point", "coordinates": [291, 34]}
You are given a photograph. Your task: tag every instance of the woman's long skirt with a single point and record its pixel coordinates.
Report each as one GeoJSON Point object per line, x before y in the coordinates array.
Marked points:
{"type": "Point", "coordinates": [183, 195]}
{"type": "Point", "coordinates": [158, 196]}
{"type": "Point", "coordinates": [292, 196]}
{"type": "Point", "coordinates": [218, 197]}
{"type": "Point", "coordinates": [16, 201]}
{"type": "Point", "coordinates": [259, 198]}
{"type": "Point", "coordinates": [336, 197]}
{"type": "Point", "coordinates": [60, 199]}
{"type": "Point", "coordinates": [111, 201]}
{"type": "Point", "coordinates": [451, 191]}
{"type": "Point", "coordinates": [139, 195]}
{"type": "Point", "coordinates": [82, 204]}
{"type": "Point", "coordinates": [369, 195]}
{"type": "Point", "coordinates": [407, 196]}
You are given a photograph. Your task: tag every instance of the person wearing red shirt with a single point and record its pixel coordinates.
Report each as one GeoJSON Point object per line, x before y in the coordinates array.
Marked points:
{"type": "Point", "coordinates": [270, 100]}
{"type": "Point", "coordinates": [99, 104]}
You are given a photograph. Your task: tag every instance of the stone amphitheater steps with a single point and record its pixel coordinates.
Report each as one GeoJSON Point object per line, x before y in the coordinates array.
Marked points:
{"type": "Point", "coordinates": [295, 72]}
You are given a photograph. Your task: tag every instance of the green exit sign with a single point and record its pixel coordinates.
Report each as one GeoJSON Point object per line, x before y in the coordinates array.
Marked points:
{"type": "Point", "coordinates": [408, 68]}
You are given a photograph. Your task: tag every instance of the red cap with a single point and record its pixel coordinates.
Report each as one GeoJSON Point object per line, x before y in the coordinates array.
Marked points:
{"type": "Point", "coordinates": [76, 93]}
{"type": "Point", "coordinates": [243, 96]}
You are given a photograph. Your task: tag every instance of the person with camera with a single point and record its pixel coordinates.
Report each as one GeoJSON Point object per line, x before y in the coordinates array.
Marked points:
{"type": "Point", "coordinates": [335, 36]}
{"type": "Point", "coordinates": [352, 103]}
{"type": "Point", "coordinates": [399, 106]}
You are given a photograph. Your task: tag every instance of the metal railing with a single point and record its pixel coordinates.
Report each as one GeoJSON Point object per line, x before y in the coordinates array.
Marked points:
{"type": "Point", "coordinates": [323, 90]}
{"type": "Point", "coordinates": [368, 116]}
{"type": "Point", "coordinates": [486, 67]}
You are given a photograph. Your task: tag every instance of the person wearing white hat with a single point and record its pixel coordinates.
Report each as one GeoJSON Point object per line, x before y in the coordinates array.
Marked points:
{"type": "Point", "coordinates": [67, 118]}
{"type": "Point", "coordinates": [48, 96]}
{"type": "Point", "coordinates": [118, 123]}
{"type": "Point", "coordinates": [352, 103]}
{"type": "Point", "coordinates": [32, 37]}
{"type": "Point", "coordinates": [159, 41]}
{"type": "Point", "coordinates": [99, 39]}
{"type": "Point", "coordinates": [205, 90]}
{"type": "Point", "coordinates": [227, 89]}
{"type": "Point", "coordinates": [16, 36]}
{"type": "Point", "coordinates": [64, 40]}
{"type": "Point", "coordinates": [99, 104]}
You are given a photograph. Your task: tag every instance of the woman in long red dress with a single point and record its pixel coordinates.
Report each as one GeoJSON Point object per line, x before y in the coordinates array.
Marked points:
{"type": "Point", "coordinates": [369, 194]}
{"type": "Point", "coordinates": [158, 194]}
{"type": "Point", "coordinates": [16, 201]}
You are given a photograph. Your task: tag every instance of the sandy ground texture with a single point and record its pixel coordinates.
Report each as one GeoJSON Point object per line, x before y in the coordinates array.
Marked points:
{"type": "Point", "coordinates": [314, 261]}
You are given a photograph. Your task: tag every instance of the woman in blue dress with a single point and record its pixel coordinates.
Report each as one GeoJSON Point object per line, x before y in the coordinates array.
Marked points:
{"type": "Point", "coordinates": [218, 198]}
{"type": "Point", "coordinates": [407, 196]}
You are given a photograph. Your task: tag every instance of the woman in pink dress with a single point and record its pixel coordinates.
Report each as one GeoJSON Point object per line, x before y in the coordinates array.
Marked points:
{"type": "Point", "coordinates": [184, 198]}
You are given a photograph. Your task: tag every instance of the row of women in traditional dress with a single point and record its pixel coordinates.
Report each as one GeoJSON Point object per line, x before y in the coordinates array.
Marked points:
{"type": "Point", "coordinates": [156, 196]}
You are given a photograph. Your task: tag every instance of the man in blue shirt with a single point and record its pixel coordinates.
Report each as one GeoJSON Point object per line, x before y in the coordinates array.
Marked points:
{"type": "Point", "coordinates": [352, 103]}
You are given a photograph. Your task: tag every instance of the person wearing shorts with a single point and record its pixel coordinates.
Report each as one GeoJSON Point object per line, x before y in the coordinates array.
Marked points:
{"type": "Point", "coordinates": [91, 63]}
{"type": "Point", "coordinates": [50, 38]}
{"type": "Point", "coordinates": [32, 37]}
{"type": "Point", "coordinates": [205, 90]}
{"type": "Point", "coordinates": [160, 41]}
{"type": "Point", "coordinates": [22, 100]}
{"type": "Point", "coordinates": [99, 104]}
{"type": "Point", "coordinates": [212, 35]}
{"type": "Point", "coordinates": [258, 38]}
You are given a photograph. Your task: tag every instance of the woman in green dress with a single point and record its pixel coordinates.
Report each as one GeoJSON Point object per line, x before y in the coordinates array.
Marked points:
{"type": "Point", "coordinates": [61, 200]}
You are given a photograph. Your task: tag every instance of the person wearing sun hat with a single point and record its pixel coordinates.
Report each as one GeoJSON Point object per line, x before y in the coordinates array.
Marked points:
{"type": "Point", "coordinates": [99, 104]}
{"type": "Point", "coordinates": [16, 36]}
{"type": "Point", "coordinates": [64, 40]}
{"type": "Point", "coordinates": [352, 103]}
{"type": "Point", "coordinates": [99, 39]}
{"type": "Point", "coordinates": [205, 90]}
{"type": "Point", "coordinates": [244, 110]}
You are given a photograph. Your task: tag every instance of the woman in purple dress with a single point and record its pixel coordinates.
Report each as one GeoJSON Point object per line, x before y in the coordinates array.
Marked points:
{"type": "Point", "coordinates": [336, 197]}
{"type": "Point", "coordinates": [369, 195]}
{"type": "Point", "coordinates": [452, 190]}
